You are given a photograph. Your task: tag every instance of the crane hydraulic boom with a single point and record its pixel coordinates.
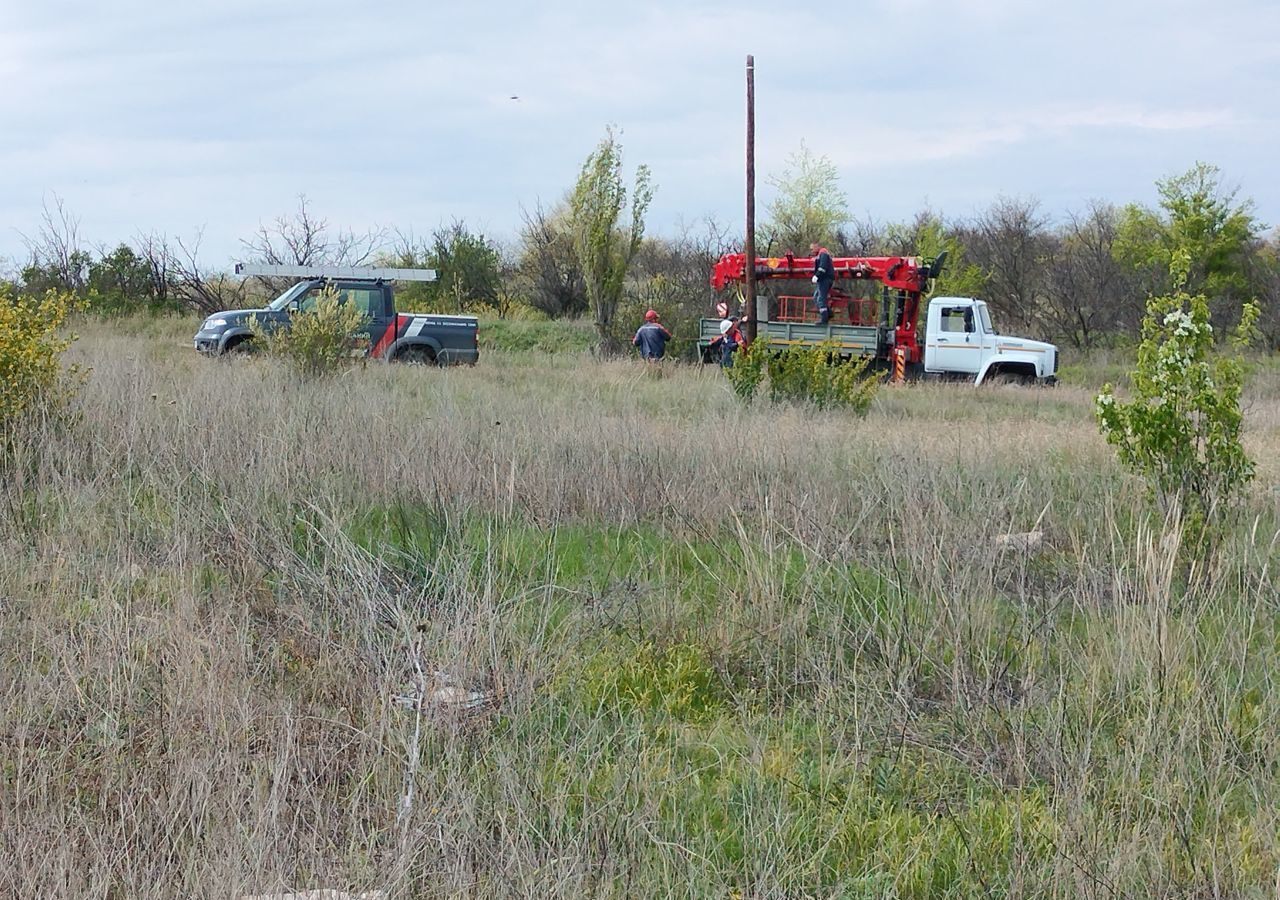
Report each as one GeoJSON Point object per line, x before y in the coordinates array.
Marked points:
{"type": "Point", "coordinates": [908, 273]}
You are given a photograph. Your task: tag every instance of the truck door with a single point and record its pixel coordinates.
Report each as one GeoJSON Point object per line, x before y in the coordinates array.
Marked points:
{"type": "Point", "coordinates": [373, 301]}
{"type": "Point", "coordinates": [957, 346]}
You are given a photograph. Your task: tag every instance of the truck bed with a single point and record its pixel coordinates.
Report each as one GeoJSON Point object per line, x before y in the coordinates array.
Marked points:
{"type": "Point", "coordinates": [851, 340]}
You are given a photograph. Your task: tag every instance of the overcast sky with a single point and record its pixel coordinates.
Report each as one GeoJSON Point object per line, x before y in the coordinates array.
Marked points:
{"type": "Point", "coordinates": [185, 115]}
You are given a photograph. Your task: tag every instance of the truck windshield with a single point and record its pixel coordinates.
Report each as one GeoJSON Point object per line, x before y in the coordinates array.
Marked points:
{"type": "Point", "coordinates": [986, 319]}
{"type": "Point", "coordinates": [283, 300]}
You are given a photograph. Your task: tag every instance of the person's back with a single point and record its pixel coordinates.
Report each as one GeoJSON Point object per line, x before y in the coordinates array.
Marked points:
{"type": "Point", "coordinates": [651, 338]}
{"type": "Point", "coordinates": [823, 266]}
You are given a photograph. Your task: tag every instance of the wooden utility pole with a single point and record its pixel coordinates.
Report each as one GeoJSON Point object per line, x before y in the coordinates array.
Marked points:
{"type": "Point", "coordinates": [750, 248]}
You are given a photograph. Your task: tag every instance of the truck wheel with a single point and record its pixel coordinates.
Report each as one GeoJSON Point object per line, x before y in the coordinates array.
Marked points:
{"type": "Point", "coordinates": [242, 347]}
{"type": "Point", "coordinates": [1011, 378]}
{"type": "Point", "coordinates": [417, 356]}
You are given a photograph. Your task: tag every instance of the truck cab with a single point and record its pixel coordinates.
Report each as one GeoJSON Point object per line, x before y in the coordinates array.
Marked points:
{"type": "Point", "coordinates": [960, 342]}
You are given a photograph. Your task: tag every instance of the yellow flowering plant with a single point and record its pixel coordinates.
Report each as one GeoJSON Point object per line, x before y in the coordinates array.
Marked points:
{"type": "Point", "coordinates": [32, 376]}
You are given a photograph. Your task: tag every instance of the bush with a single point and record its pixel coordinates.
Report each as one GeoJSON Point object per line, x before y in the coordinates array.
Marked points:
{"type": "Point", "coordinates": [1181, 430]}
{"type": "Point", "coordinates": [32, 376]}
{"type": "Point", "coordinates": [318, 342]}
{"type": "Point", "coordinates": [810, 374]}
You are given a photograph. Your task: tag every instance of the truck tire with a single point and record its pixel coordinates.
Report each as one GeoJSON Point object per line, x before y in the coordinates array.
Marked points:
{"type": "Point", "coordinates": [417, 356]}
{"type": "Point", "coordinates": [1019, 379]}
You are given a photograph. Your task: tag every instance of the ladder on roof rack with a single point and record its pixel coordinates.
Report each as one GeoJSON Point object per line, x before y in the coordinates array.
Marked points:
{"type": "Point", "coordinates": [362, 273]}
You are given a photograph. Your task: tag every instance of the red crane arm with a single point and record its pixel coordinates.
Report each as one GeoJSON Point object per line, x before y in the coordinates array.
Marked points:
{"type": "Point", "coordinates": [902, 272]}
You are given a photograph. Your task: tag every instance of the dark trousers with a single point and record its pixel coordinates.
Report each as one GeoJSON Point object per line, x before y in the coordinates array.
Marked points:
{"type": "Point", "coordinates": [726, 352]}
{"type": "Point", "coordinates": [820, 300]}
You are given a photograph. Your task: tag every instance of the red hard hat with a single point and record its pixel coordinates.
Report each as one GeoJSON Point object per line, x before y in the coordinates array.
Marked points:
{"type": "Point", "coordinates": [651, 316]}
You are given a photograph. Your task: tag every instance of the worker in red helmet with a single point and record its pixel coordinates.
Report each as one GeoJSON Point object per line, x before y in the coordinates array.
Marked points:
{"type": "Point", "coordinates": [824, 275]}
{"type": "Point", "coordinates": [651, 338]}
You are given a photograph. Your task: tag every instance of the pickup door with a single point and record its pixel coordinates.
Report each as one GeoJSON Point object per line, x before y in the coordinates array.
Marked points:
{"type": "Point", "coordinates": [959, 342]}
{"type": "Point", "coordinates": [374, 300]}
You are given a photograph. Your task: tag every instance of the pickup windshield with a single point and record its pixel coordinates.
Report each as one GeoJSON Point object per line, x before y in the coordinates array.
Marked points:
{"type": "Point", "coordinates": [284, 299]}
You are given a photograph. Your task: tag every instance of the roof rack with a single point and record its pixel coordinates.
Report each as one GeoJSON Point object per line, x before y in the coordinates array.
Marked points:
{"type": "Point", "coordinates": [360, 273]}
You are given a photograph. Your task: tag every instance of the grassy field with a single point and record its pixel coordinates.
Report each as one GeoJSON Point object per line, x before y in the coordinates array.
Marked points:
{"type": "Point", "coordinates": [718, 651]}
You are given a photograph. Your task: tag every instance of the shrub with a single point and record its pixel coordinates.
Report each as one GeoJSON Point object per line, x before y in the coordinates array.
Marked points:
{"type": "Point", "coordinates": [748, 371]}
{"type": "Point", "coordinates": [318, 342]}
{"type": "Point", "coordinates": [31, 372]}
{"type": "Point", "coordinates": [1181, 430]}
{"type": "Point", "coordinates": [813, 374]}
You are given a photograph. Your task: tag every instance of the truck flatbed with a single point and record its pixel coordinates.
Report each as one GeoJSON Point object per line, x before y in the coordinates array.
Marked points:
{"type": "Point", "coordinates": [850, 340]}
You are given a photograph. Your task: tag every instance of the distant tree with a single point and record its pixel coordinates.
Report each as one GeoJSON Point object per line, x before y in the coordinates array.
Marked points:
{"type": "Point", "coordinates": [928, 236]}
{"type": "Point", "coordinates": [407, 251]}
{"type": "Point", "coordinates": [306, 240]}
{"type": "Point", "coordinates": [467, 266]}
{"type": "Point", "coordinates": [1264, 279]}
{"type": "Point", "coordinates": [1202, 219]}
{"type": "Point", "coordinates": [69, 275]}
{"type": "Point", "coordinates": [1089, 294]}
{"type": "Point", "coordinates": [57, 260]}
{"type": "Point", "coordinates": [121, 282]}
{"type": "Point", "coordinates": [192, 285]}
{"type": "Point", "coordinates": [547, 272]}
{"type": "Point", "coordinates": [1012, 245]}
{"type": "Point", "coordinates": [859, 238]}
{"type": "Point", "coordinates": [154, 250]}
{"type": "Point", "coordinates": [605, 248]}
{"type": "Point", "coordinates": [809, 205]}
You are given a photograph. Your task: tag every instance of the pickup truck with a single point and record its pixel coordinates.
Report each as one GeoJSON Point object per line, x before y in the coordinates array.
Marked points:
{"type": "Point", "coordinates": [959, 343]}
{"type": "Point", "coordinates": [425, 338]}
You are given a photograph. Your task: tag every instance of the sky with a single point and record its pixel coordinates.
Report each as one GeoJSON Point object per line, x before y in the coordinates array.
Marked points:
{"type": "Point", "coordinates": [191, 117]}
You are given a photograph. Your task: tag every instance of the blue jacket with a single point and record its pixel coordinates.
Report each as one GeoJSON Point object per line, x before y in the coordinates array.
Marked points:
{"type": "Point", "coordinates": [823, 267]}
{"type": "Point", "coordinates": [652, 340]}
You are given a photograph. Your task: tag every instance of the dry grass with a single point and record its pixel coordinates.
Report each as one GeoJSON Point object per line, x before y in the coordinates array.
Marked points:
{"type": "Point", "coordinates": [767, 652]}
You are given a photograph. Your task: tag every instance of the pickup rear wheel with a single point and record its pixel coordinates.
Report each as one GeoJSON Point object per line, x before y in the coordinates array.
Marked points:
{"type": "Point", "coordinates": [417, 356]}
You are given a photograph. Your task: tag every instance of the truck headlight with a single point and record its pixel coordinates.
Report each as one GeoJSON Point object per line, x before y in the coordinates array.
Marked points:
{"type": "Point", "coordinates": [213, 323]}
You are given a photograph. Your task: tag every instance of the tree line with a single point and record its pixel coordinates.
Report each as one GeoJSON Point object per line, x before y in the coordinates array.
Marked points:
{"type": "Point", "coordinates": [1082, 280]}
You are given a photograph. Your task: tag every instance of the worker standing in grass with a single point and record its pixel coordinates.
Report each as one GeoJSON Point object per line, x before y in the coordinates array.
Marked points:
{"type": "Point", "coordinates": [651, 338]}
{"type": "Point", "coordinates": [824, 274]}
